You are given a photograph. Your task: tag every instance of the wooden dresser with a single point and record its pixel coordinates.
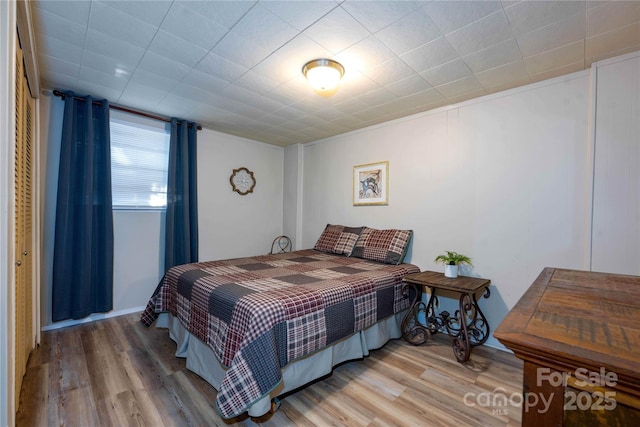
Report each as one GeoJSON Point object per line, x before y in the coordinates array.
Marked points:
{"type": "Point", "coordinates": [578, 333]}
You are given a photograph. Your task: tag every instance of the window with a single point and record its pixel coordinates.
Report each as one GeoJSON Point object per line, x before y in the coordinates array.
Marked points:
{"type": "Point", "coordinates": [139, 161]}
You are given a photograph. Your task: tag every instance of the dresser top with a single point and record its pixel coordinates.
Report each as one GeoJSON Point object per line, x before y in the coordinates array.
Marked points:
{"type": "Point", "coordinates": [578, 319]}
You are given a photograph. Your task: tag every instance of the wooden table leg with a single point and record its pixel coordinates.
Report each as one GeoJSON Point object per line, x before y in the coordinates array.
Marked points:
{"type": "Point", "coordinates": [543, 398]}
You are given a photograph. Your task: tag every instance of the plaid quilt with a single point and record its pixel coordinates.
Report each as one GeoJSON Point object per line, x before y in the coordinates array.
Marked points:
{"type": "Point", "coordinates": [260, 313]}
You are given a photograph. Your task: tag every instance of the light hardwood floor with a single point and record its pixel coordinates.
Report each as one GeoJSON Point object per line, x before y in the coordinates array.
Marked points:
{"type": "Point", "coordinates": [116, 372]}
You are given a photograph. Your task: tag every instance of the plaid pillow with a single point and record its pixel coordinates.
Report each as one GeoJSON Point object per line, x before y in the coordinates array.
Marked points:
{"type": "Point", "coordinates": [338, 239]}
{"type": "Point", "coordinates": [387, 246]}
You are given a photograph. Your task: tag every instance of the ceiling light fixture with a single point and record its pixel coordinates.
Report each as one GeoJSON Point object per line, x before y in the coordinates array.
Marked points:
{"type": "Point", "coordinates": [324, 75]}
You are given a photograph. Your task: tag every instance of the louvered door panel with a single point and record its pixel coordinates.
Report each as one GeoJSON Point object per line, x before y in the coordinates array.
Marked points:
{"type": "Point", "coordinates": [27, 176]}
{"type": "Point", "coordinates": [24, 334]}
{"type": "Point", "coordinates": [20, 365]}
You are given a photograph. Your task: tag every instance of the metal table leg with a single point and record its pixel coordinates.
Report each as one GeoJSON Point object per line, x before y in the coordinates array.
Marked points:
{"type": "Point", "coordinates": [468, 327]}
{"type": "Point", "coordinates": [412, 330]}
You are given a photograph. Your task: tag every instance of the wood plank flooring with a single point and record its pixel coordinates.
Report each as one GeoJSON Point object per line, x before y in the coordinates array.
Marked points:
{"type": "Point", "coordinates": [116, 372]}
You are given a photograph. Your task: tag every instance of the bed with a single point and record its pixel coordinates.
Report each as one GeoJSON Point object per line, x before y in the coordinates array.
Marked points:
{"type": "Point", "coordinates": [258, 327]}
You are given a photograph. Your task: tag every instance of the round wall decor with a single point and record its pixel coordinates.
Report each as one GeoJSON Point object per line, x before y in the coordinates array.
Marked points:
{"type": "Point", "coordinates": [242, 181]}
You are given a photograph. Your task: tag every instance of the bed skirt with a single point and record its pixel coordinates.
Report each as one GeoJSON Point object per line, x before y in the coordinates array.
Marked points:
{"type": "Point", "coordinates": [202, 360]}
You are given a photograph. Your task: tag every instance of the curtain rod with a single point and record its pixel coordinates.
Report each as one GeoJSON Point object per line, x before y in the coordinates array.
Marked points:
{"type": "Point", "coordinates": [60, 94]}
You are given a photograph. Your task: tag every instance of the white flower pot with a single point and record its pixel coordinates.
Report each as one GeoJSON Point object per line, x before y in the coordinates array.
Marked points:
{"type": "Point", "coordinates": [451, 271]}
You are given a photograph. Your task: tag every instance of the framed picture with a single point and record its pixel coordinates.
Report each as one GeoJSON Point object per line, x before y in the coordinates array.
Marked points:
{"type": "Point", "coordinates": [371, 184]}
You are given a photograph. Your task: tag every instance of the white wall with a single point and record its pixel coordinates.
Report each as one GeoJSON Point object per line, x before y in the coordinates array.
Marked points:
{"type": "Point", "coordinates": [230, 225]}
{"type": "Point", "coordinates": [616, 213]}
{"type": "Point", "coordinates": [503, 179]}
{"type": "Point", "coordinates": [138, 257]}
{"type": "Point", "coordinates": [292, 194]}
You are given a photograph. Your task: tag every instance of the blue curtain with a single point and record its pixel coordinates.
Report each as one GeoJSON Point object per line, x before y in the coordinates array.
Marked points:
{"type": "Point", "coordinates": [83, 246]}
{"type": "Point", "coordinates": [181, 232]}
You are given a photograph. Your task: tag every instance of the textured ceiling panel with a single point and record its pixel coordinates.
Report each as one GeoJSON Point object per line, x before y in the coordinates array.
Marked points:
{"type": "Point", "coordinates": [235, 66]}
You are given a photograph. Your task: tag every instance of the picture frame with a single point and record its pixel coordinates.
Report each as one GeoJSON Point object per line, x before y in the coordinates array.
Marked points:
{"type": "Point", "coordinates": [371, 184]}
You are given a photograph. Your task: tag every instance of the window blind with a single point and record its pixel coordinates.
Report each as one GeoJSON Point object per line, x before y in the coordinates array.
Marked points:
{"type": "Point", "coordinates": [139, 161]}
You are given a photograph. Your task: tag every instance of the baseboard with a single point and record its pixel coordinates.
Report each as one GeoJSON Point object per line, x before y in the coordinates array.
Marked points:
{"type": "Point", "coordinates": [497, 346]}
{"type": "Point", "coordinates": [92, 318]}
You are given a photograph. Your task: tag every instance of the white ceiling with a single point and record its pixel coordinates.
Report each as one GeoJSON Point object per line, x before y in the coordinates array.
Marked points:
{"type": "Point", "coordinates": [235, 66]}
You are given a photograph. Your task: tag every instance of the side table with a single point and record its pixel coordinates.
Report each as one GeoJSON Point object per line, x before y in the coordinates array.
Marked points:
{"type": "Point", "coordinates": [468, 327]}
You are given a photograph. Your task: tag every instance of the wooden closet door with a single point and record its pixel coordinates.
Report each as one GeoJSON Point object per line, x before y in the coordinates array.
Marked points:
{"type": "Point", "coordinates": [24, 333]}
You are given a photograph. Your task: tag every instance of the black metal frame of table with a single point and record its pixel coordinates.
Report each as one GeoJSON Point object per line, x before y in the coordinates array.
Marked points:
{"type": "Point", "coordinates": [466, 334]}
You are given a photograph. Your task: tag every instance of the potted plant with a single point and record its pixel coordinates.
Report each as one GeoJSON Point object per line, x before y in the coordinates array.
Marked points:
{"type": "Point", "coordinates": [451, 261]}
